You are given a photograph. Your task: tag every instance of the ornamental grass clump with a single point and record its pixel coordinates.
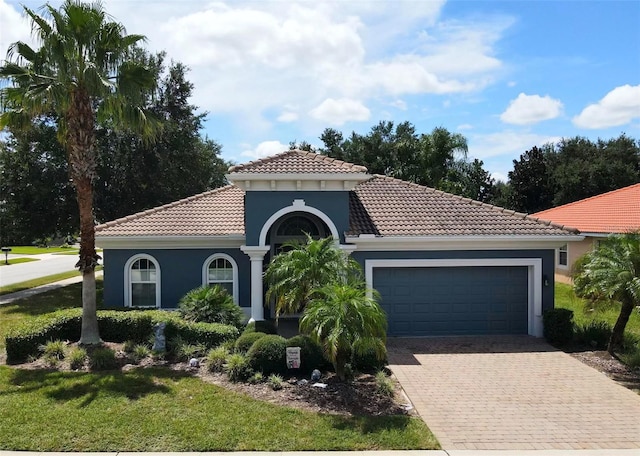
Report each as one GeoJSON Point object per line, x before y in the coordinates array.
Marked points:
{"type": "Point", "coordinates": [77, 358]}
{"type": "Point", "coordinates": [216, 359]}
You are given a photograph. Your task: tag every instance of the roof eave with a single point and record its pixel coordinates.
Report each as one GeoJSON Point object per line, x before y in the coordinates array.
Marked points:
{"type": "Point", "coordinates": [170, 242]}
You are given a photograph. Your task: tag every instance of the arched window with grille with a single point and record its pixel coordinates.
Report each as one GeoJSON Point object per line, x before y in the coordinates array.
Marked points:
{"type": "Point", "coordinates": [142, 282]}
{"type": "Point", "coordinates": [221, 269]}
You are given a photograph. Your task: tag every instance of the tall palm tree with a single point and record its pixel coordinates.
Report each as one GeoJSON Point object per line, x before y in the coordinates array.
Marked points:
{"type": "Point", "coordinates": [293, 276]}
{"type": "Point", "coordinates": [343, 319]}
{"type": "Point", "coordinates": [82, 72]}
{"type": "Point", "coordinates": [612, 271]}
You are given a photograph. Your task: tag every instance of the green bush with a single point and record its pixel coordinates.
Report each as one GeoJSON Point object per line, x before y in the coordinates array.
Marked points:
{"type": "Point", "coordinates": [115, 326]}
{"type": "Point", "coordinates": [140, 352]}
{"type": "Point", "coordinates": [384, 385]}
{"type": "Point", "coordinates": [263, 326]}
{"type": "Point", "coordinates": [211, 305]}
{"type": "Point", "coordinates": [275, 382]}
{"type": "Point", "coordinates": [268, 355]}
{"type": "Point", "coordinates": [54, 349]}
{"type": "Point", "coordinates": [77, 357]}
{"type": "Point", "coordinates": [256, 378]}
{"type": "Point", "coordinates": [129, 346]}
{"type": "Point", "coordinates": [367, 361]}
{"type": "Point", "coordinates": [102, 359]}
{"type": "Point", "coordinates": [184, 351]}
{"type": "Point", "coordinates": [632, 359]}
{"type": "Point", "coordinates": [216, 358]}
{"type": "Point", "coordinates": [238, 368]}
{"type": "Point", "coordinates": [595, 334]}
{"type": "Point", "coordinates": [246, 340]}
{"type": "Point", "coordinates": [558, 326]}
{"type": "Point", "coordinates": [311, 356]}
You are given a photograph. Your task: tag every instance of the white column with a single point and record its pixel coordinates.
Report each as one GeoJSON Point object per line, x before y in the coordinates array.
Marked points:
{"type": "Point", "coordinates": [256, 255]}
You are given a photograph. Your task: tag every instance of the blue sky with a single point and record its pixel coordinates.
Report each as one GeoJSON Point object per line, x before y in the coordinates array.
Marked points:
{"type": "Point", "coordinates": [508, 75]}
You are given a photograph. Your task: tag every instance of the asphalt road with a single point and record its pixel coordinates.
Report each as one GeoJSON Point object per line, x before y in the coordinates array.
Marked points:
{"type": "Point", "coordinates": [48, 264]}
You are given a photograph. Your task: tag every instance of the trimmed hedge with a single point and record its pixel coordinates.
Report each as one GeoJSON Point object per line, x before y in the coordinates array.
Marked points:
{"type": "Point", "coordinates": [246, 340]}
{"type": "Point", "coordinates": [263, 326]}
{"type": "Point", "coordinates": [311, 356]}
{"type": "Point", "coordinates": [115, 326]}
{"type": "Point", "coordinates": [268, 355]}
{"type": "Point", "coordinates": [558, 326]}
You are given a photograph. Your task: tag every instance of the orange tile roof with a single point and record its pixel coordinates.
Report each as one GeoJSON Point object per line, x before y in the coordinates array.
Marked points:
{"type": "Point", "coordinates": [217, 212]}
{"type": "Point", "coordinates": [298, 162]}
{"type": "Point", "coordinates": [617, 211]}
{"type": "Point", "coordinates": [391, 207]}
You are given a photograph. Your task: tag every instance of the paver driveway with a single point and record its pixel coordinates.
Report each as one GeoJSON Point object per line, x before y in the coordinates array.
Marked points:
{"type": "Point", "coordinates": [513, 392]}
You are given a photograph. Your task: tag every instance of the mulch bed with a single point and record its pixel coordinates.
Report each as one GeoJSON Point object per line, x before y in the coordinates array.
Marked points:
{"type": "Point", "coordinates": [611, 367]}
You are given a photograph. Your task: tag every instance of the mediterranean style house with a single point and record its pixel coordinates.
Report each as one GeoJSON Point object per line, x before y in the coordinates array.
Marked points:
{"type": "Point", "coordinates": [596, 218]}
{"type": "Point", "coordinates": [443, 264]}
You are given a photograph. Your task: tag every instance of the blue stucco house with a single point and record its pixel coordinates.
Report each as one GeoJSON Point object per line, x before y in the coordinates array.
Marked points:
{"type": "Point", "coordinates": [443, 264]}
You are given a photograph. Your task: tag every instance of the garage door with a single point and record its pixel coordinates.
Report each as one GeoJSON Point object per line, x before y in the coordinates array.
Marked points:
{"type": "Point", "coordinates": [437, 301]}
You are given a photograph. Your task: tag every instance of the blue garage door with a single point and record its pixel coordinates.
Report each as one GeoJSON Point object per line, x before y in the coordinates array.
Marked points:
{"type": "Point", "coordinates": [454, 300]}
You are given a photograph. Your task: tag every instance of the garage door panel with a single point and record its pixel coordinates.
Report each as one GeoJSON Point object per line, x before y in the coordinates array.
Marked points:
{"type": "Point", "coordinates": [454, 300]}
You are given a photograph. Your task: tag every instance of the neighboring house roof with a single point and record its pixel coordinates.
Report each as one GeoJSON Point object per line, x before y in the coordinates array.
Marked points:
{"type": "Point", "coordinates": [380, 206]}
{"type": "Point", "coordinates": [617, 211]}
{"type": "Point", "coordinates": [298, 162]}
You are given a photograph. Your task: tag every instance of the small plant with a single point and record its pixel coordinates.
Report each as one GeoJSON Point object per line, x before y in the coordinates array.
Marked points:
{"type": "Point", "coordinates": [384, 385]}
{"type": "Point", "coordinates": [140, 352]}
{"type": "Point", "coordinates": [53, 350]}
{"type": "Point", "coordinates": [184, 351]}
{"type": "Point", "coordinates": [129, 346]}
{"type": "Point", "coordinates": [102, 359]}
{"type": "Point", "coordinates": [238, 368]}
{"type": "Point", "coordinates": [77, 357]}
{"type": "Point", "coordinates": [275, 382]}
{"type": "Point", "coordinates": [211, 305]}
{"type": "Point", "coordinates": [246, 340]}
{"type": "Point", "coordinates": [594, 334]}
{"type": "Point", "coordinates": [256, 378]}
{"type": "Point", "coordinates": [216, 359]}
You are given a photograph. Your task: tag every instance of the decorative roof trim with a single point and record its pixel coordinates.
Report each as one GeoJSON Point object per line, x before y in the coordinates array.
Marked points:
{"type": "Point", "coordinates": [170, 242]}
{"type": "Point", "coordinates": [315, 156]}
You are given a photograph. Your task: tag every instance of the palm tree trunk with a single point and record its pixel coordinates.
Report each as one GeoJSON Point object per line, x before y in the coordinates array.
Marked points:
{"type": "Point", "coordinates": [617, 335]}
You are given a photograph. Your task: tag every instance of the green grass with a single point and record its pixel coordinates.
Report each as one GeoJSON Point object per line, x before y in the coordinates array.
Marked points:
{"type": "Point", "coordinates": [15, 287]}
{"type": "Point", "coordinates": [163, 410]}
{"type": "Point", "coordinates": [17, 260]}
{"type": "Point", "coordinates": [30, 250]}
{"type": "Point", "coordinates": [584, 312]}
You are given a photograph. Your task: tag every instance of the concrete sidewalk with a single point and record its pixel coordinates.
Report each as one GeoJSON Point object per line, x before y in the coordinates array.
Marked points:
{"type": "Point", "coordinates": [9, 298]}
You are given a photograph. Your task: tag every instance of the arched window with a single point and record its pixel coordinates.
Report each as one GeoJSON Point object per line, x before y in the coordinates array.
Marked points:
{"type": "Point", "coordinates": [296, 225]}
{"type": "Point", "coordinates": [221, 269]}
{"type": "Point", "coordinates": [142, 282]}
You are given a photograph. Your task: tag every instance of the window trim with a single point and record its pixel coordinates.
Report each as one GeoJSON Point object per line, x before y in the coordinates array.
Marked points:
{"type": "Point", "coordinates": [128, 283]}
{"type": "Point", "coordinates": [566, 250]}
{"type": "Point", "coordinates": [234, 267]}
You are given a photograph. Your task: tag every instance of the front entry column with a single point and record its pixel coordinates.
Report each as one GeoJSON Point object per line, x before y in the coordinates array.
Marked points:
{"type": "Point", "coordinates": [256, 255]}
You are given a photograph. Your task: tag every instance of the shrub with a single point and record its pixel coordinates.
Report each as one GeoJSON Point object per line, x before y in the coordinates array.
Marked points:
{"type": "Point", "coordinates": [595, 334]}
{"type": "Point", "coordinates": [238, 368]}
{"type": "Point", "coordinates": [246, 340]}
{"type": "Point", "coordinates": [384, 385]}
{"type": "Point", "coordinates": [140, 352]}
{"type": "Point", "coordinates": [102, 359]}
{"type": "Point", "coordinates": [268, 354]}
{"type": "Point", "coordinates": [184, 351]}
{"type": "Point", "coordinates": [216, 359]}
{"type": "Point", "coordinates": [129, 346]}
{"type": "Point", "coordinates": [275, 382]}
{"type": "Point", "coordinates": [77, 357]}
{"type": "Point", "coordinates": [311, 356]}
{"type": "Point", "coordinates": [256, 378]}
{"type": "Point", "coordinates": [53, 350]}
{"type": "Point", "coordinates": [632, 359]}
{"type": "Point", "coordinates": [211, 305]}
{"type": "Point", "coordinates": [558, 326]}
{"type": "Point", "coordinates": [368, 361]}
{"type": "Point", "coordinates": [263, 326]}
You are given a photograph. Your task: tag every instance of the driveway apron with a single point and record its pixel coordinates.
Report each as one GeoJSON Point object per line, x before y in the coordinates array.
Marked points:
{"type": "Point", "coordinates": [512, 392]}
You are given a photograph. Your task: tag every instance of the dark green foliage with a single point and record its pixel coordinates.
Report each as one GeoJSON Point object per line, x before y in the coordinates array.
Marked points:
{"type": "Point", "coordinates": [77, 357]}
{"type": "Point", "coordinates": [268, 355]}
{"type": "Point", "coordinates": [264, 326]}
{"type": "Point", "coordinates": [368, 361]}
{"type": "Point", "coordinates": [238, 368]}
{"type": "Point", "coordinates": [594, 334]}
{"type": "Point", "coordinates": [102, 359]}
{"type": "Point", "coordinates": [119, 326]}
{"type": "Point", "coordinates": [311, 356]}
{"type": "Point", "coordinates": [529, 183]}
{"type": "Point", "coordinates": [246, 340]}
{"type": "Point", "coordinates": [558, 326]}
{"type": "Point", "coordinates": [211, 305]}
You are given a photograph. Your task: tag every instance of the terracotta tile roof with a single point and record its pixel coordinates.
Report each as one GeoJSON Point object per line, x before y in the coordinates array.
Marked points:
{"type": "Point", "coordinates": [391, 207]}
{"type": "Point", "coordinates": [298, 162]}
{"type": "Point", "coordinates": [617, 211]}
{"type": "Point", "coordinates": [217, 212]}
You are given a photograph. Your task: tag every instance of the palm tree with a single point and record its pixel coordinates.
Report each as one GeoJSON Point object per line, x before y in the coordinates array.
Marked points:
{"type": "Point", "coordinates": [612, 271]}
{"type": "Point", "coordinates": [344, 319]}
{"type": "Point", "coordinates": [294, 275]}
{"type": "Point", "coordinates": [82, 72]}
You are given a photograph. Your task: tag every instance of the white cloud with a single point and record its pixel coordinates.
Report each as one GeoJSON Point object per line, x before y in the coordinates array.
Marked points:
{"type": "Point", "coordinates": [265, 149]}
{"type": "Point", "coordinates": [288, 116]}
{"type": "Point", "coordinates": [338, 112]}
{"type": "Point", "coordinates": [400, 104]}
{"type": "Point", "coordinates": [618, 107]}
{"type": "Point", "coordinates": [511, 84]}
{"type": "Point", "coordinates": [531, 109]}
{"type": "Point", "coordinates": [463, 127]}
{"type": "Point", "coordinates": [14, 26]}
{"type": "Point", "coordinates": [507, 144]}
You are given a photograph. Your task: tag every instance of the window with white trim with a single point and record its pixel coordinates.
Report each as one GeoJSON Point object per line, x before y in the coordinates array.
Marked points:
{"type": "Point", "coordinates": [143, 282]}
{"type": "Point", "coordinates": [221, 269]}
{"type": "Point", "coordinates": [563, 255]}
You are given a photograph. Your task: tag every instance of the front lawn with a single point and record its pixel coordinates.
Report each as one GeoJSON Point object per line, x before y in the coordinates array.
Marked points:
{"type": "Point", "coordinates": [584, 314]}
{"type": "Point", "coordinates": [158, 409]}
{"type": "Point", "coordinates": [31, 250]}
{"type": "Point", "coordinates": [17, 261]}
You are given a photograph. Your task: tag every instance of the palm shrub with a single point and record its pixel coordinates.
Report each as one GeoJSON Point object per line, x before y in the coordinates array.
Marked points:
{"type": "Point", "coordinates": [345, 318]}
{"type": "Point", "coordinates": [612, 271]}
{"type": "Point", "coordinates": [211, 305]}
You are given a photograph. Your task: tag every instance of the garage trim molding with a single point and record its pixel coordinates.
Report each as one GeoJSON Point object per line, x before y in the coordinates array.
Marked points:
{"type": "Point", "coordinates": [534, 265]}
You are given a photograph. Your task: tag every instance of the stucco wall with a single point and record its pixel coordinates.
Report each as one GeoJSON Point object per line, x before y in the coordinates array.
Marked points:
{"type": "Point", "coordinates": [574, 251]}
{"type": "Point", "coordinates": [181, 271]}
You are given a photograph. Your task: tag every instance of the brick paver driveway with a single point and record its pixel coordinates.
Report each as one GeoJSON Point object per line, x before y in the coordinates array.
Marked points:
{"type": "Point", "coordinates": [513, 393]}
